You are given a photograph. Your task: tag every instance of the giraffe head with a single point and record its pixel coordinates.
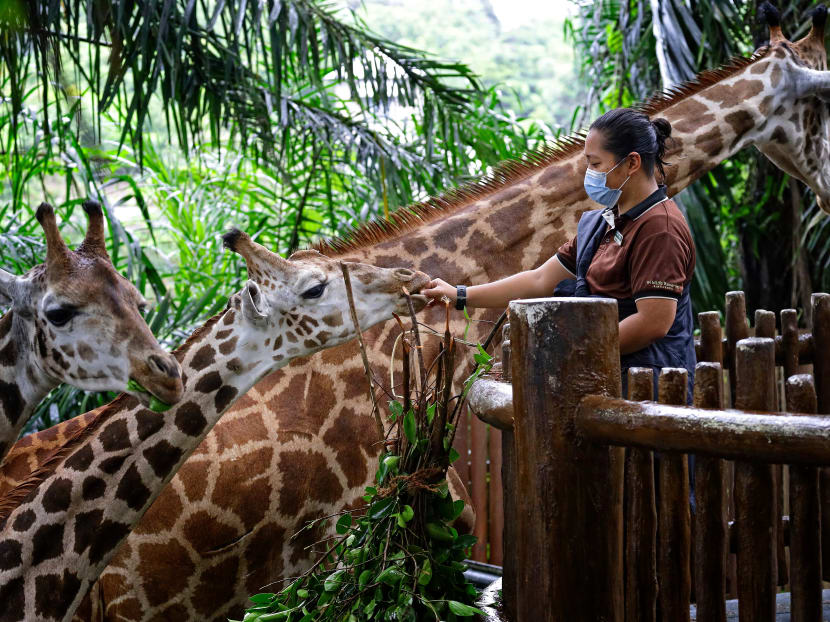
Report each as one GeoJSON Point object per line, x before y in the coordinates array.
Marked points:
{"type": "Point", "coordinates": [80, 319]}
{"type": "Point", "coordinates": [796, 132]}
{"type": "Point", "coordinates": [305, 295]}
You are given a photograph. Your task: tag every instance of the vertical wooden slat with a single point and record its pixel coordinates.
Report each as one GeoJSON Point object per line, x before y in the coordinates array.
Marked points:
{"type": "Point", "coordinates": [712, 335]}
{"type": "Point", "coordinates": [640, 516]}
{"type": "Point", "coordinates": [736, 329]}
{"type": "Point", "coordinates": [754, 489]}
{"type": "Point", "coordinates": [569, 493]}
{"type": "Point", "coordinates": [673, 518]}
{"type": "Point", "coordinates": [478, 474]}
{"type": "Point", "coordinates": [821, 373]}
{"type": "Point", "coordinates": [711, 546]}
{"type": "Point", "coordinates": [462, 446]}
{"type": "Point", "coordinates": [511, 518]}
{"type": "Point", "coordinates": [494, 493]}
{"type": "Point", "coordinates": [509, 483]}
{"type": "Point", "coordinates": [789, 340]}
{"type": "Point", "coordinates": [805, 523]}
{"type": "Point", "coordinates": [765, 327]}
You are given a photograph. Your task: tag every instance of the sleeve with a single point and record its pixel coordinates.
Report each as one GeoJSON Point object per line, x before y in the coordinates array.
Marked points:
{"type": "Point", "coordinates": [567, 256]}
{"type": "Point", "coordinates": [659, 266]}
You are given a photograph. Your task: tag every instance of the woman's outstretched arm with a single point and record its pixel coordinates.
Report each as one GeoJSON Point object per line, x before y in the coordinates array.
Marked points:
{"type": "Point", "coordinates": [534, 283]}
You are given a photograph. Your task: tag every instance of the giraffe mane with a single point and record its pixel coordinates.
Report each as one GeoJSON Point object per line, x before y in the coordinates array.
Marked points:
{"type": "Point", "coordinates": [509, 172]}
{"type": "Point", "coordinates": [20, 492]}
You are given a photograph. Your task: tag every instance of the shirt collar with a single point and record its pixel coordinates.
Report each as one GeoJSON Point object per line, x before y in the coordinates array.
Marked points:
{"type": "Point", "coordinates": [638, 210]}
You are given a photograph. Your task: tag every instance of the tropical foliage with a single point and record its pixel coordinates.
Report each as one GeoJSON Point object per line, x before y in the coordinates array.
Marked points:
{"type": "Point", "coordinates": [184, 118]}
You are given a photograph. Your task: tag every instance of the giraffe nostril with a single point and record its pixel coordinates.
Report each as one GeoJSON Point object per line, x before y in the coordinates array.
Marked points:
{"type": "Point", "coordinates": [161, 366]}
{"type": "Point", "coordinates": [403, 274]}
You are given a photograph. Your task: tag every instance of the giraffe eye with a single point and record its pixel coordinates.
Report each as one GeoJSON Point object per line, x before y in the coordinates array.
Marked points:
{"type": "Point", "coordinates": [59, 316]}
{"type": "Point", "coordinates": [314, 292]}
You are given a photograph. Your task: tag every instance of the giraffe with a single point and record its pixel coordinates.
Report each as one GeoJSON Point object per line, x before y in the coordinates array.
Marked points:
{"type": "Point", "coordinates": [301, 443]}
{"type": "Point", "coordinates": [60, 527]}
{"type": "Point", "coordinates": [74, 319]}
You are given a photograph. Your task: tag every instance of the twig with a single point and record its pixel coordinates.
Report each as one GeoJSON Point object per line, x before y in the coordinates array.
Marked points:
{"type": "Point", "coordinates": [366, 367]}
{"type": "Point", "coordinates": [417, 335]}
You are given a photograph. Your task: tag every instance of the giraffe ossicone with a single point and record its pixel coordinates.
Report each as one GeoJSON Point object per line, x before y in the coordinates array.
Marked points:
{"type": "Point", "coordinates": [60, 527]}
{"type": "Point", "coordinates": [74, 319]}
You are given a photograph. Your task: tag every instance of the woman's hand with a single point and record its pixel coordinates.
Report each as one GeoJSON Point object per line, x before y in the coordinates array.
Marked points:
{"type": "Point", "coordinates": [437, 289]}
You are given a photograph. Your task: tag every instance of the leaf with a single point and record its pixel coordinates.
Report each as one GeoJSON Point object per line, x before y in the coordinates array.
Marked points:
{"type": "Point", "coordinates": [261, 599]}
{"type": "Point", "coordinates": [364, 577]}
{"type": "Point", "coordinates": [334, 580]}
{"type": "Point", "coordinates": [343, 523]}
{"type": "Point", "coordinates": [382, 508]}
{"type": "Point", "coordinates": [425, 576]}
{"type": "Point", "coordinates": [410, 427]}
{"type": "Point", "coordinates": [396, 410]}
{"type": "Point", "coordinates": [454, 455]}
{"type": "Point", "coordinates": [407, 513]}
{"type": "Point", "coordinates": [465, 611]}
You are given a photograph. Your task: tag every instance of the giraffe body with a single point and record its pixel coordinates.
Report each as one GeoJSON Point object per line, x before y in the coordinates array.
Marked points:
{"type": "Point", "coordinates": [301, 443]}
{"type": "Point", "coordinates": [60, 527]}
{"type": "Point", "coordinates": [74, 319]}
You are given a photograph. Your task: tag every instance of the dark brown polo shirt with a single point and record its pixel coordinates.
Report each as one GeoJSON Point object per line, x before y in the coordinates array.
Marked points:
{"type": "Point", "coordinates": [649, 253]}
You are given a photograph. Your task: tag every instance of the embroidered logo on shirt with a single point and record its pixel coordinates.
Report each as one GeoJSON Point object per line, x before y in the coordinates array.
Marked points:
{"type": "Point", "coordinates": [664, 285]}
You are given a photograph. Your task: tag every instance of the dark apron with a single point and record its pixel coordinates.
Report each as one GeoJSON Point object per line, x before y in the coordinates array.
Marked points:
{"type": "Point", "coordinates": [676, 349]}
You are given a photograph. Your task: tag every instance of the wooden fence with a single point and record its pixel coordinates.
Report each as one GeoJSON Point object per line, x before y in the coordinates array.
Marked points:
{"type": "Point", "coordinates": [599, 529]}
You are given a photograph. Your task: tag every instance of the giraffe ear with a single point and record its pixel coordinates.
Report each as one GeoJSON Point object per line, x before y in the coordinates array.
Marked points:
{"type": "Point", "coordinates": [254, 306]}
{"type": "Point", "coordinates": [9, 288]}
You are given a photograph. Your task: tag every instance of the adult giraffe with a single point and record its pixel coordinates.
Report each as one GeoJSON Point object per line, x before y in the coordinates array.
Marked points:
{"type": "Point", "coordinates": [60, 527]}
{"type": "Point", "coordinates": [74, 319]}
{"type": "Point", "coordinates": [302, 444]}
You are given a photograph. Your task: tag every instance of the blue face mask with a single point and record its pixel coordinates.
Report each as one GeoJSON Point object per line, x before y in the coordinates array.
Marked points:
{"type": "Point", "coordinates": [598, 191]}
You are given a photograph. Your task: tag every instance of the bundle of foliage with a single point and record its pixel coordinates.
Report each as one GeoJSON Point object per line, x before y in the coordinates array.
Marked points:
{"type": "Point", "coordinates": [399, 557]}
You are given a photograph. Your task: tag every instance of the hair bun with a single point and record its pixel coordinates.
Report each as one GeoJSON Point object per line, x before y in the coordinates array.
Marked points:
{"type": "Point", "coordinates": [662, 127]}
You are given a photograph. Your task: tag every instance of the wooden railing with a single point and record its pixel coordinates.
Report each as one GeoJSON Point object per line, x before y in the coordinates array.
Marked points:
{"type": "Point", "coordinates": [596, 528]}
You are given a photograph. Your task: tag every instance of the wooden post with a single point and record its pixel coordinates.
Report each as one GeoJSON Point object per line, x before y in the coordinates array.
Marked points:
{"type": "Point", "coordinates": [640, 516]}
{"type": "Point", "coordinates": [673, 518]}
{"type": "Point", "coordinates": [711, 547]}
{"type": "Point", "coordinates": [495, 497]}
{"type": "Point", "coordinates": [789, 339]}
{"type": "Point", "coordinates": [765, 327]}
{"type": "Point", "coordinates": [755, 489]}
{"type": "Point", "coordinates": [736, 329]}
{"type": "Point", "coordinates": [478, 490]}
{"type": "Point", "coordinates": [509, 488]}
{"type": "Point", "coordinates": [805, 523]}
{"type": "Point", "coordinates": [711, 334]}
{"type": "Point", "coordinates": [821, 373]}
{"type": "Point", "coordinates": [569, 491]}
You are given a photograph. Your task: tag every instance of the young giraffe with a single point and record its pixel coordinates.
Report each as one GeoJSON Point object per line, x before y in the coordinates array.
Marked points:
{"type": "Point", "coordinates": [74, 319]}
{"type": "Point", "coordinates": [301, 444]}
{"type": "Point", "coordinates": [60, 527]}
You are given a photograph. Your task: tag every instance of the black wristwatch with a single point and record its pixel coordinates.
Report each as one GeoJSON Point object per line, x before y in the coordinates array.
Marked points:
{"type": "Point", "coordinates": [460, 297]}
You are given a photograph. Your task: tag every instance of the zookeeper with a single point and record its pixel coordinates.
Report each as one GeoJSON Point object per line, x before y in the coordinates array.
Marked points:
{"type": "Point", "coordinates": [637, 249]}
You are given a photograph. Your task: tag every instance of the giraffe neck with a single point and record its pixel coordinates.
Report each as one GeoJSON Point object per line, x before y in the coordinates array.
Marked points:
{"type": "Point", "coordinates": [23, 383]}
{"type": "Point", "coordinates": [82, 503]}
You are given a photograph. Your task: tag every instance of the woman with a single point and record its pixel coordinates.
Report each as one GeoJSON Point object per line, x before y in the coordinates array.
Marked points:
{"type": "Point", "coordinates": [638, 249]}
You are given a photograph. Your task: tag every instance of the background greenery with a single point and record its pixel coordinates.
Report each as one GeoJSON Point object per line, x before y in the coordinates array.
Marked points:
{"type": "Point", "coordinates": [302, 118]}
